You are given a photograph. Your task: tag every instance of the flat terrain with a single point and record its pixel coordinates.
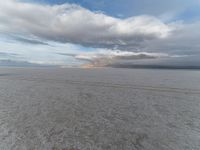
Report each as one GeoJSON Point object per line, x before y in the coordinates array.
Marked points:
{"type": "Point", "coordinates": [99, 109]}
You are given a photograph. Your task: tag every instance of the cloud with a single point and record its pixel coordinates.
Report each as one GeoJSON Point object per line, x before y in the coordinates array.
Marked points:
{"type": "Point", "coordinates": [30, 41]}
{"type": "Point", "coordinates": [7, 55]}
{"type": "Point", "coordinates": [184, 41]}
{"type": "Point", "coordinates": [69, 23]}
{"type": "Point", "coordinates": [108, 57]}
{"type": "Point", "coordinates": [18, 63]}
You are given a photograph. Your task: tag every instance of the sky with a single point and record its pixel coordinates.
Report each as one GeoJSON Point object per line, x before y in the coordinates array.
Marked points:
{"type": "Point", "coordinates": [100, 32]}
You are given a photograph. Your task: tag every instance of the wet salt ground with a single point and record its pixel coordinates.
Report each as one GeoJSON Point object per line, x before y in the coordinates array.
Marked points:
{"type": "Point", "coordinates": [99, 109]}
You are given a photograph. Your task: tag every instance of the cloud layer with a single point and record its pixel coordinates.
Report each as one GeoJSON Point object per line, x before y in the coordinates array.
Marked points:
{"type": "Point", "coordinates": [108, 57]}
{"type": "Point", "coordinates": [70, 23]}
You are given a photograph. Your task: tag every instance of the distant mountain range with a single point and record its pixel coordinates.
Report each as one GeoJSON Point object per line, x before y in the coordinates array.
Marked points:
{"type": "Point", "coordinates": [133, 66]}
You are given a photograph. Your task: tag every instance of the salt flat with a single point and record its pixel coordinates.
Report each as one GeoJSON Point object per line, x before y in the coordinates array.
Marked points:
{"type": "Point", "coordinates": [99, 109]}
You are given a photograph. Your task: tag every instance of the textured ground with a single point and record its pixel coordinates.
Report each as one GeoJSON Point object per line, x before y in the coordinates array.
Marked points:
{"type": "Point", "coordinates": [99, 109]}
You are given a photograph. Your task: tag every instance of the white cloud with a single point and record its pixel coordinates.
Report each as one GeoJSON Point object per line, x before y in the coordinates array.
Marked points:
{"type": "Point", "coordinates": [107, 57]}
{"type": "Point", "coordinates": [184, 41]}
{"type": "Point", "coordinates": [70, 23]}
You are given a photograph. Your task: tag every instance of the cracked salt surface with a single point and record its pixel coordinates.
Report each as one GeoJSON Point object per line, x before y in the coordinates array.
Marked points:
{"type": "Point", "coordinates": [99, 109]}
